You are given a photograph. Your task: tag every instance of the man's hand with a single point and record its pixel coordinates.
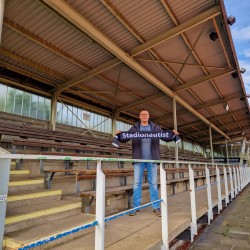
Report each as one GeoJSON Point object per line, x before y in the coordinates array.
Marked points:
{"type": "Point", "coordinates": [118, 132]}
{"type": "Point", "coordinates": [175, 132]}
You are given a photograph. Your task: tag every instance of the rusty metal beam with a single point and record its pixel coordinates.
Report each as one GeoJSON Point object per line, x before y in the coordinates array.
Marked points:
{"type": "Point", "coordinates": [203, 79]}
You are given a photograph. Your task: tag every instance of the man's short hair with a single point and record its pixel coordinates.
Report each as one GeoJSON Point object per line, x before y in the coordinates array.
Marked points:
{"type": "Point", "coordinates": [143, 110]}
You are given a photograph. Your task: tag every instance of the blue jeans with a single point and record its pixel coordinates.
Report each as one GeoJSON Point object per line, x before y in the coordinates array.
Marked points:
{"type": "Point", "coordinates": [152, 179]}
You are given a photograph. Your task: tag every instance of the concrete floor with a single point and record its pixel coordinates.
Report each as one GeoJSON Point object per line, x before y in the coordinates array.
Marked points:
{"type": "Point", "coordinates": [143, 231]}
{"type": "Point", "coordinates": [231, 230]}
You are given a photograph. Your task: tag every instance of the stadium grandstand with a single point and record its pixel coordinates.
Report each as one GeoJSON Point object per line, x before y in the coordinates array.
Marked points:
{"type": "Point", "coordinates": [72, 73]}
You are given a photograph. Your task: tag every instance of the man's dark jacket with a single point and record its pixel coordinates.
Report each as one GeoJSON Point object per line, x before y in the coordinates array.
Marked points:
{"type": "Point", "coordinates": [136, 142]}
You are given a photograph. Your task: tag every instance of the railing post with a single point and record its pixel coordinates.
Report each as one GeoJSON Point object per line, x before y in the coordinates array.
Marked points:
{"type": "Point", "coordinates": [193, 204]}
{"type": "Point", "coordinates": [218, 189]}
{"type": "Point", "coordinates": [226, 186]}
{"type": "Point", "coordinates": [164, 208]}
{"type": "Point", "coordinates": [231, 182]}
{"type": "Point", "coordinates": [4, 180]}
{"type": "Point", "coordinates": [238, 179]}
{"type": "Point", "coordinates": [244, 175]}
{"type": "Point", "coordinates": [209, 197]}
{"type": "Point", "coordinates": [100, 208]}
{"type": "Point", "coordinates": [241, 178]}
{"type": "Point", "coordinates": [235, 182]}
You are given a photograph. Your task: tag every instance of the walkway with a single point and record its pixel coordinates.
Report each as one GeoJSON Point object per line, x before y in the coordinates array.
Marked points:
{"type": "Point", "coordinates": [144, 230]}
{"type": "Point", "coordinates": [231, 230]}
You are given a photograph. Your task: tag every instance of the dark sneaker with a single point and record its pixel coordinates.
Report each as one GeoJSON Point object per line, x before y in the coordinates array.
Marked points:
{"type": "Point", "coordinates": [134, 213]}
{"type": "Point", "coordinates": [157, 212]}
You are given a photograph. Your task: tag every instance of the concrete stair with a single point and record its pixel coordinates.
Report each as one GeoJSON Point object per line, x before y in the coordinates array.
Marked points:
{"type": "Point", "coordinates": [25, 184]}
{"type": "Point", "coordinates": [35, 211]}
{"type": "Point", "coordinates": [23, 236]}
{"type": "Point", "coordinates": [19, 174]}
{"type": "Point", "coordinates": [30, 216]}
{"type": "Point", "coordinates": [13, 165]}
{"type": "Point", "coordinates": [32, 197]}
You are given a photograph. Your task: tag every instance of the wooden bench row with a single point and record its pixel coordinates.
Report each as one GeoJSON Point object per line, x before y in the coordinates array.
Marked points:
{"type": "Point", "coordinates": [31, 132]}
{"type": "Point", "coordinates": [88, 196]}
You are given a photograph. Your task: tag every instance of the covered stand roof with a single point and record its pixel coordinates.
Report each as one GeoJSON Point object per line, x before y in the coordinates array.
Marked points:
{"type": "Point", "coordinates": [147, 52]}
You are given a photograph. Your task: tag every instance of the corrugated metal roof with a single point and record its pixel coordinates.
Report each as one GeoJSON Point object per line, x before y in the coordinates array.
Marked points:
{"type": "Point", "coordinates": [42, 23]}
{"type": "Point", "coordinates": [98, 15]}
{"type": "Point", "coordinates": [20, 45]}
{"type": "Point", "coordinates": [149, 19]}
{"type": "Point", "coordinates": [185, 10]}
{"type": "Point", "coordinates": [29, 69]}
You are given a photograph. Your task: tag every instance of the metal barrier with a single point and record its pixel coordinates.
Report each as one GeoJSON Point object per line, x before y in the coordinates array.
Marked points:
{"type": "Point", "coordinates": [241, 179]}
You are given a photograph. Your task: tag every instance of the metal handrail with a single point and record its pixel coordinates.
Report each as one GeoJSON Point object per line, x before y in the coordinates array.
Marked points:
{"type": "Point", "coordinates": [241, 178]}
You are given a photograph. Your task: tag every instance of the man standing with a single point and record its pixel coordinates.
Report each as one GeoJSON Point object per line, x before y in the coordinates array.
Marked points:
{"type": "Point", "coordinates": [147, 149]}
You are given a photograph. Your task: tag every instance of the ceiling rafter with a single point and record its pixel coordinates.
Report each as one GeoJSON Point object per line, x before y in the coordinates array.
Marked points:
{"type": "Point", "coordinates": [178, 63]}
{"type": "Point", "coordinates": [199, 107]}
{"type": "Point", "coordinates": [225, 53]}
{"type": "Point", "coordinates": [214, 118]}
{"type": "Point", "coordinates": [168, 9]}
{"type": "Point", "coordinates": [125, 23]}
{"type": "Point", "coordinates": [70, 58]}
{"type": "Point", "coordinates": [224, 126]}
{"type": "Point", "coordinates": [59, 76]}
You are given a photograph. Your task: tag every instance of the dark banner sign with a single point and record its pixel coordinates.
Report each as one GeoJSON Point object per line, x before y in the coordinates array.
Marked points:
{"type": "Point", "coordinates": [231, 160]}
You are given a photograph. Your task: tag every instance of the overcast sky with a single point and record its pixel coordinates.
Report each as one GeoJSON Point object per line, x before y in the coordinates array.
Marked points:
{"type": "Point", "coordinates": [241, 34]}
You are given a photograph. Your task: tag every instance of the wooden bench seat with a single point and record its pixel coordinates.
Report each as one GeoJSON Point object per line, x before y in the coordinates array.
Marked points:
{"type": "Point", "coordinates": [70, 146]}
{"type": "Point", "coordinates": [46, 134]}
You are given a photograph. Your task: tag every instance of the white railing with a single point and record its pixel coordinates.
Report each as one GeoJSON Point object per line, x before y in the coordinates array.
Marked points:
{"type": "Point", "coordinates": [241, 178]}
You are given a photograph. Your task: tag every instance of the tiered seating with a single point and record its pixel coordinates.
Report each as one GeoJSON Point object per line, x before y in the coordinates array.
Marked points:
{"type": "Point", "coordinates": [79, 144]}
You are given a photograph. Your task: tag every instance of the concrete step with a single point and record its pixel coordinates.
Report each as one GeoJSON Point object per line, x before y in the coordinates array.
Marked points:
{"type": "Point", "coordinates": [29, 216]}
{"type": "Point", "coordinates": [13, 165]}
{"type": "Point", "coordinates": [26, 184]}
{"type": "Point", "coordinates": [19, 174]}
{"type": "Point", "coordinates": [32, 197]}
{"type": "Point", "coordinates": [31, 234]}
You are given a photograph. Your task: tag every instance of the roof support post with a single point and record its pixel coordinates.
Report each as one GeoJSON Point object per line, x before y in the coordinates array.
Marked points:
{"type": "Point", "coordinates": [248, 147]}
{"type": "Point", "coordinates": [193, 147]}
{"type": "Point", "coordinates": [182, 144]}
{"type": "Point", "coordinates": [2, 2]}
{"type": "Point", "coordinates": [175, 128]}
{"type": "Point", "coordinates": [211, 144]}
{"type": "Point", "coordinates": [227, 152]}
{"type": "Point", "coordinates": [4, 180]}
{"type": "Point", "coordinates": [115, 115]}
{"type": "Point", "coordinates": [243, 150]}
{"type": "Point", "coordinates": [52, 123]}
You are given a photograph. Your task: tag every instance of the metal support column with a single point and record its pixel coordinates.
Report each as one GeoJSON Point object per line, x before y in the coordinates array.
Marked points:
{"type": "Point", "coordinates": [4, 184]}
{"type": "Point", "coordinates": [209, 196]}
{"type": "Point", "coordinates": [114, 123]}
{"type": "Point", "coordinates": [218, 189]}
{"type": "Point", "coordinates": [227, 152]}
{"type": "Point", "coordinates": [193, 225]}
{"type": "Point", "coordinates": [231, 182]}
{"type": "Point", "coordinates": [175, 128]}
{"type": "Point", "coordinates": [211, 144]}
{"type": "Point", "coordinates": [247, 158]}
{"type": "Point", "coordinates": [100, 208]}
{"type": "Point", "coordinates": [52, 124]}
{"type": "Point", "coordinates": [164, 208]}
{"type": "Point", "coordinates": [243, 150]}
{"type": "Point", "coordinates": [182, 144]}
{"type": "Point", "coordinates": [2, 2]}
{"type": "Point", "coordinates": [4, 164]}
